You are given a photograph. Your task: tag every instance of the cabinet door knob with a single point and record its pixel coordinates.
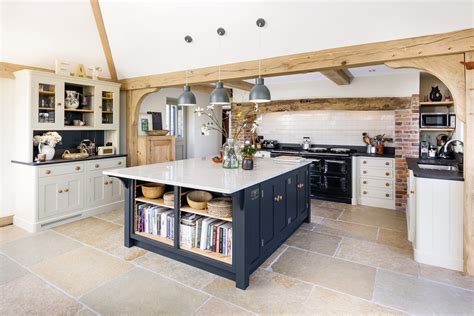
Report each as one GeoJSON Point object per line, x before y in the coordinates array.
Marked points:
{"type": "Point", "coordinates": [78, 168]}
{"type": "Point", "coordinates": [59, 103]}
{"type": "Point", "coordinates": [387, 173]}
{"type": "Point", "coordinates": [364, 172]}
{"type": "Point", "coordinates": [365, 192]}
{"type": "Point", "coordinates": [364, 162]}
{"type": "Point", "coordinates": [60, 191]}
{"type": "Point", "coordinates": [387, 163]}
{"type": "Point", "coordinates": [364, 182]}
{"type": "Point", "coordinates": [119, 163]}
{"type": "Point", "coordinates": [97, 165]}
{"type": "Point", "coordinates": [48, 172]}
{"type": "Point", "coordinates": [412, 192]}
{"type": "Point", "coordinates": [387, 184]}
{"type": "Point", "coordinates": [66, 190]}
{"type": "Point", "coordinates": [106, 183]}
{"type": "Point", "coordinates": [387, 195]}
{"type": "Point", "coordinates": [275, 198]}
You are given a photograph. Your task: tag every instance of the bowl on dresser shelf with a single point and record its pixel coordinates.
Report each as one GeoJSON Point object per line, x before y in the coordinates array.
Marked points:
{"type": "Point", "coordinates": [220, 207]}
{"type": "Point", "coordinates": [158, 132]}
{"type": "Point", "coordinates": [198, 199]}
{"type": "Point", "coordinates": [153, 190]}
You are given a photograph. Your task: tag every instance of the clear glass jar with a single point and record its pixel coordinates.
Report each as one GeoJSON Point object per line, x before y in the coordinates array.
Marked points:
{"type": "Point", "coordinates": [230, 158]}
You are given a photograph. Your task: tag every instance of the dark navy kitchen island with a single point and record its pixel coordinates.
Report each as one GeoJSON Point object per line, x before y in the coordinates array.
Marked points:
{"type": "Point", "coordinates": [269, 203]}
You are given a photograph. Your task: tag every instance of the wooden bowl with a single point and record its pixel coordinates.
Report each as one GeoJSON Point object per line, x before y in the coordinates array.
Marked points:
{"type": "Point", "coordinates": [198, 199]}
{"type": "Point", "coordinates": [158, 132]}
{"type": "Point", "coordinates": [153, 190]}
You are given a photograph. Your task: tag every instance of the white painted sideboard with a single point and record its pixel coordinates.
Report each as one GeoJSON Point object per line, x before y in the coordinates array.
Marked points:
{"type": "Point", "coordinates": [375, 182]}
{"type": "Point", "coordinates": [54, 194]}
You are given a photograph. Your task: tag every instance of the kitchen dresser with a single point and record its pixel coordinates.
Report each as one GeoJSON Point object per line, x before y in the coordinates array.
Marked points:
{"type": "Point", "coordinates": [58, 191]}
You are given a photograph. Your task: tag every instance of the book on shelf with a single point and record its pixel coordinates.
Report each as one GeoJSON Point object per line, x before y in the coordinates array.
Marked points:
{"type": "Point", "coordinates": [149, 218]}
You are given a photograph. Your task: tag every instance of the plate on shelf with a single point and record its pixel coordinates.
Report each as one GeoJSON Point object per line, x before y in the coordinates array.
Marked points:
{"type": "Point", "coordinates": [159, 132]}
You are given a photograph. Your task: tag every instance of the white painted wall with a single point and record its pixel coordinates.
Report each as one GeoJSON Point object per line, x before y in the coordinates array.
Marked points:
{"type": "Point", "coordinates": [7, 87]}
{"type": "Point", "coordinates": [197, 145]}
{"type": "Point", "coordinates": [386, 85]}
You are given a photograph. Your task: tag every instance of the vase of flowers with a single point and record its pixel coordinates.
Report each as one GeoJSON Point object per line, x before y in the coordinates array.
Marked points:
{"type": "Point", "coordinates": [46, 143]}
{"type": "Point", "coordinates": [248, 152]}
{"type": "Point", "coordinates": [231, 151]}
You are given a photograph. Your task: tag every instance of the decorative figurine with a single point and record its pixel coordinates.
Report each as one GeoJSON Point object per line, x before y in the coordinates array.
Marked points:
{"type": "Point", "coordinates": [435, 94]}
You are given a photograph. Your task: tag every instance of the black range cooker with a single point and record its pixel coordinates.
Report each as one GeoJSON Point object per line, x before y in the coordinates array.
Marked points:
{"type": "Point", "coordinates": [331, 171]}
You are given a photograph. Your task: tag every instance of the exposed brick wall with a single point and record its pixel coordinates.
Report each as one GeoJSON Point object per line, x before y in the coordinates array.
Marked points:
{"type": "Point", "coordinates": [407, 138]}
{"type": "Point", "coordinates": [246, 133]}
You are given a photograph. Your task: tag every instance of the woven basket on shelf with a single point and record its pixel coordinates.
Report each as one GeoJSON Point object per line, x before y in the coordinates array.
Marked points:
{"type": "Point", "coordinates": [168, 198]}
{"type": "Point", "coordinates": [220, 207]}
{"type": "Point", "coordinates": [80, 155]}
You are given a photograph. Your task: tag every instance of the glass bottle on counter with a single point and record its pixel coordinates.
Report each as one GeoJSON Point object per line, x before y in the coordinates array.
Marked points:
{"type": "Point", "coordinates": [230, 158]}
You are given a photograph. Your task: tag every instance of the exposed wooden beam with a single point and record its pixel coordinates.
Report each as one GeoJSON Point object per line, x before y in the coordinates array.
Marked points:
{"type": "Point", "coordinates": [338, 76]}
{"type": "Point", "coordinates": [346, 104]}
{"type": "Point", "coordinates": [336, 58]}
{"type": "Point", "coordinates": [238, 84]}
{"type": "Point", "coordinates": [7, 70]}
{"type": "Point", "coordinates": [99, 21]}
{"type": "Point", "coordinates": [469, 171]}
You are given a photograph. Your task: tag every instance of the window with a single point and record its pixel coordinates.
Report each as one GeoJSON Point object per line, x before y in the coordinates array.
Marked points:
{"type": "Point", "coordinates": [175, 118]}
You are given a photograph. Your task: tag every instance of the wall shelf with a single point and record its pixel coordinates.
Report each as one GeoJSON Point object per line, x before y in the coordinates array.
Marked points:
{"type": "Point", "coordinates": [436, 103]}
{"type": "Point", "coordinates": [79, 110]}
{"type": "Point", "coordinates": [437, 129]}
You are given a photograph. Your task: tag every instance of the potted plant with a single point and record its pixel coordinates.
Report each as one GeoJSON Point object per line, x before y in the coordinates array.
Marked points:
{"type": "Point", "coordinates": [46, 143]}
{"type": "Point", "coordinates": [248, 152]}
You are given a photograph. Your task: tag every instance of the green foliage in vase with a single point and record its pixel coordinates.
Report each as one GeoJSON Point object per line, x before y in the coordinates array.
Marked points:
{"type": "Point", "coordinates": [248, 150]}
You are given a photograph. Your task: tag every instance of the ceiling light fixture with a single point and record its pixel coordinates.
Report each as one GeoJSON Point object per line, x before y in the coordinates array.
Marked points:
{"type": "Point", "coordinates": [260, 92]}
{"type": "Point", "coordinates": [187, 98]}
{"type": "Point", "coordinates": [219, 95]}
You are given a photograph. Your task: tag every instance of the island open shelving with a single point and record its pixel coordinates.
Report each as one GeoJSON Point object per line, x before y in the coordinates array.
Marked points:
{"type": "Point", "coordinates": [269, 203]}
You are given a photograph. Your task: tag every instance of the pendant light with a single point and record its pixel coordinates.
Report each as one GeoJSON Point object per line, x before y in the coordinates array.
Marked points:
{"type": "Point", "coordinates": [219, 95]}
{"type": "Point", "coordinates": [260, 92]}
{"type": "Point", "coordinates": [187, 98]}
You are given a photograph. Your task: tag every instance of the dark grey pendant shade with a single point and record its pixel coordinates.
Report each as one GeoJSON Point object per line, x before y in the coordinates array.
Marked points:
{"type": "Point", "coordinates": [187, 98]}
{"type": "Point", "coordinates": [260, 92]}
{"type": "Point", "coordinates": [219, 95]}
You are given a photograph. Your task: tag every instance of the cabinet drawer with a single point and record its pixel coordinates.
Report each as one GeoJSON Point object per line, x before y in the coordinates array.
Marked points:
{"type": "Point", "coordinates": [376, 172]}
{"type": "Point", "coordinates": [58, 170]}
{"type": "Point", "coordinates": [376, 193]}
{"type": "Point", "coordinates": [101, 164]}
{"type": "Point", "coordinates": [376, 162]}
{"type": "Point", "coordinates": [377, 183]}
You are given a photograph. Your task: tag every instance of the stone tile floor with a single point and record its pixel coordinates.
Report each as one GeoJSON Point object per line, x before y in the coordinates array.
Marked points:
{"type": "Point", "coordinates": [349, 260]}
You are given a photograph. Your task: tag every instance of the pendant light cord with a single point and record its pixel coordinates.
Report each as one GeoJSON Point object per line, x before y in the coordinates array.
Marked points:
{"type": "Point", "coordinates": [219, 67]}
{"type": "Point", "coordinates": [260, 49]}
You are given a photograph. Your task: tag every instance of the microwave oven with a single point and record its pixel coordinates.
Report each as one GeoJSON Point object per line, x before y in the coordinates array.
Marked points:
{"type": "Point", "coordinates": [437, 120]}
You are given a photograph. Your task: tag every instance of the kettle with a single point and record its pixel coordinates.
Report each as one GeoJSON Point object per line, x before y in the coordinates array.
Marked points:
{"type": "Point", "coordinates": [306, 144]}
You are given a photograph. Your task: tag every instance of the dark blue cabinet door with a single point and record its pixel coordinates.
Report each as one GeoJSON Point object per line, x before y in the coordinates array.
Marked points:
{"type": "Point", "coordinates": [279, 205]}
{"type": "Point", "coordinates": [267, 218]}
{"type": "Point", "coordinates": [291, 196]}
{"type": "Point", "coordinates": [252, 223]}
{"type": "Point", "coordinates": [301, 189]}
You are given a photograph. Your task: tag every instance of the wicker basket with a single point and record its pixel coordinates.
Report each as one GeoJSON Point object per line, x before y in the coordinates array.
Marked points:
{"type": "Point", "coordinates": [153, 190]}
{"type": "Point", "coordinates": [168, 198]}
{"type": "Point", "coordinates": [220, 207]}
{"type": "Point", "coordinates": [68, 155]}
{"type": "Point", "coordinates": [198, 199]}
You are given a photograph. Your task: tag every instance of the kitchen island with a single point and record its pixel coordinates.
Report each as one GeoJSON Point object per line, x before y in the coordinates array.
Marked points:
{"type": "Point", "coordinates": [268, 204]}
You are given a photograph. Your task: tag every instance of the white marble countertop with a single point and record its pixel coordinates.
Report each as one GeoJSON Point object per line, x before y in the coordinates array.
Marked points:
{"type": "Point", "coordinates": [203, 174]}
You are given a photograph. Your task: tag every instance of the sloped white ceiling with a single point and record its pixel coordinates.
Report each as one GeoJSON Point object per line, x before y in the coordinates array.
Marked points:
{"type": "Point", "coordinates": [146, 37]}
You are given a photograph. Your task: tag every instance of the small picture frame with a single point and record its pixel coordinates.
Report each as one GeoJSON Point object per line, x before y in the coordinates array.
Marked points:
{"type": "Point", "coordinates": [144, 123]}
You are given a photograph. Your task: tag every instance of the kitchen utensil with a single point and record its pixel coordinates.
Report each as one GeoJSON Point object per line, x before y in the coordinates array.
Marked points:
{"type": "Point", "coordinates": [306, 144]}
{"type": "Point", "coordinates": [153, 190]}
{"type": "Point", "coordinates": [198, 199]}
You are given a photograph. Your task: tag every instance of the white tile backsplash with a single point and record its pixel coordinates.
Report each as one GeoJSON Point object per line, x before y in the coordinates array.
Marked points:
{"type": "Point", "coordinates": [326, 127]}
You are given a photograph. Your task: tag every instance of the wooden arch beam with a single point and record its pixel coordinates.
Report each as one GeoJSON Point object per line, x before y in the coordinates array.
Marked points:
{"type": "Point", "coordinates": [134, 101]}
{"type": "Point", "coordinates": [340, 77]}
{"type": "Point", "coordinates": [446, 68]}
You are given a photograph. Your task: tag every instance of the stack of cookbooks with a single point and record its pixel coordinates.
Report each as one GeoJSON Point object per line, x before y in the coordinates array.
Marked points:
{"type": "Point", "coordinates": [155, 220]}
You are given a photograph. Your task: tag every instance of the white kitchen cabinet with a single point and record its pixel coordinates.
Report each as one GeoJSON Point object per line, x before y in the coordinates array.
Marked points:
{"type": "Point", "coordinates": [47, 102]}
{"type": "Point", "coordinates": [60, 193]}
{"type": "Point", "coordinates": [107, 105]}
{"type": "Point", "coordinates": [375, 182]}
{"type": "Point", "coordinates": [438, 212]}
